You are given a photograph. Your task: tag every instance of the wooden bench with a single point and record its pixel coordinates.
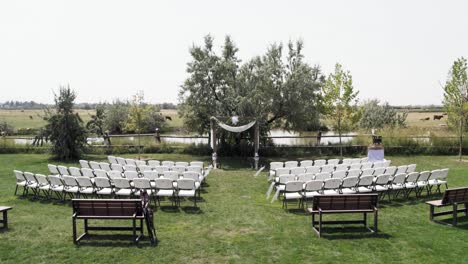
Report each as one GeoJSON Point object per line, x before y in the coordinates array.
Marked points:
{"type": "Point", "coordinates": [343, 204]}
{"type": "Point", "coordinates": [4, 220]}
{"type": "Point", "coordinates": [113, 209]}
{"type": "Point", "coordinates": [452, 197]}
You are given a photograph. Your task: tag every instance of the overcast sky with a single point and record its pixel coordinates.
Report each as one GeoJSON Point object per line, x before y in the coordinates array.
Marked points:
{"type": "Point", "coordinates": [397, 51]}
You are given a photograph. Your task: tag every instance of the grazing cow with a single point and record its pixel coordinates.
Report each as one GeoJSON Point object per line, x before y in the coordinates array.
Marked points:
{"type": "Point", "coordinates": [168, 118]}
{"type": "Point", "coordinates": [425, 119]}
{"type": "Point", "coordinates": [438, 117]}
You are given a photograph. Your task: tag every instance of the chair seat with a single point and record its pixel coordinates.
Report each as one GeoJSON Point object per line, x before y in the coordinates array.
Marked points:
{"type": "Point", "coordinates": [327, 192]}
{"type": "Point", "coordinates": [88, 190]}
{"type": "Point", "coordinates": [311, 194]}
{"type": "Point", "coordinates": [104, 191]}
{"type": "Point", "coordinates": [363, 189]}
{"type": "Point", "coordinates": [397, 187]}
{"type": "Point", "coordinates": [186, 193]}
{"type": "Point", "coordinates": [442, 181]}
{"type": "Point", "coordinates": [22, 183]}
{"type": "Point", "coordinates": [165, 193]}
{"type": "Point", "coordinates": [56, 188]}
{"type": "Point", "coordinates": [33, 185]}
{"type": "Point", "coordinates": [381, 188]}
{"type": "Point", "coordinates": [124, 192]}
{"type": "Point", "coordinates": [348, 191]}
{"type": "Point", "coordinates": [280, 187]}
{"type": "Point", "coordinates": [44, 187]}
{"type": "Point", "coordinates": [422, 184]}
{"type": "Point", "coordinates": [148, 191]}
{"type": "Point", "coordinates": [294, 195]}
{"type": "Point", "coordinates": [410, 185]}
{"type": "Point", "coordinates": [73, 189]}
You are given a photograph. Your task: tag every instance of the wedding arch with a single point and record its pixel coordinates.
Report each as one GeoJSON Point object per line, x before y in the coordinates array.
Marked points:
{"type": "Point", "coordinates": [233, 129]}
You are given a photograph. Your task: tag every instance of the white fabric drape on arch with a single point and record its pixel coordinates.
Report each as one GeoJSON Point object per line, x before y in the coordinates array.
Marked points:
{"type": "Point", "coordinates": [229, 128]}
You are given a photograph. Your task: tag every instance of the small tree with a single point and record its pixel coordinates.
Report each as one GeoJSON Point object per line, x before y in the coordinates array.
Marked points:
{"type": "Point", "coordinates": [135, 117]}
{"type": "Point", "coordinates": [96, 124]}
{"type": "Point", "coordinates": [376, 115]}
{"type": "Point", "coordinates": [67, 134]}
{"type": "Point", "coordinates": [339, 101]}
{"type": "Point", "coordinates": [456, 99]}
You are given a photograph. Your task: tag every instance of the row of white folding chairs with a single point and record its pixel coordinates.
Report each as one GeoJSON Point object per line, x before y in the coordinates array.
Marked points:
{"type": "Point", "coordinates": [384, 183]}
{"type": "Point", "coordinates": [62, 170]}
{"type": "Point", "coordinates": [152, 163]}
{"type": "Point", "coordinates": [342, 166]}
{"type": "Point", "coordinates": [343, 171]}
{"type": "Point", "coordinates": [63, 185]}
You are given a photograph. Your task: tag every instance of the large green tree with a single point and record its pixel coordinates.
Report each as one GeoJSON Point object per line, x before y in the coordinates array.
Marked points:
{"type": "Point", "coordinates": [339, 101]}
{"type": "Point", "coordinates": [277, 90]}
{"type": "Point", "coordinates": [456, 99]}
{"type": "Point", "coordinates": [65, 128]}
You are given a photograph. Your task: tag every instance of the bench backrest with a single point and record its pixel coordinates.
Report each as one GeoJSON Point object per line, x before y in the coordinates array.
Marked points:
{"type": "Point", "coordinates": [345, 202]}
{"type": "Point", "coordinates": [458, 195]}
{"type": "Point", "coordinates": [107, 207]}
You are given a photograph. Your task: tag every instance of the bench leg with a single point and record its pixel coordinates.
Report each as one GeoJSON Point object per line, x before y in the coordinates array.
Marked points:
{"type": "Point", "coordinates": [320, 224]}
{"type": "Point", "coordinates": [455, 214]}
{"type": "Point", "coordinates": [5, 219]}
{"type": "Point", "coordinates": [376, 220]}
{"type": "Point", "coordinates": [74, 230]}
{"type": "Point", "coordinates": [365, 219]}
{"type": "Point", "coordinates": [431, 213]}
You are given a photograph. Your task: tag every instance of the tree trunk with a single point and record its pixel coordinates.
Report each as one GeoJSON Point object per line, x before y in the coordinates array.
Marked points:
{"type": "Point", "coordinates": [460, 151]}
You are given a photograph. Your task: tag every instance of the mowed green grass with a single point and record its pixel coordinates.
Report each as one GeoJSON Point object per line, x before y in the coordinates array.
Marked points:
{"type": "Point", "coordinates": [33, 118]}
{"type": "Point", "coordinates": [236, 224]}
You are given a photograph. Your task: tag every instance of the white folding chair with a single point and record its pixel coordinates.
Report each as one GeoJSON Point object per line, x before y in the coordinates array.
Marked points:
{"type": "Point", "coordinates": [63, 170]}
{"type": "Point", "coordinates": [115, 174]}
{"type": "Point", "coordinates": [353, 173]}
{"type": "Point", "coordinates": [411, 168]}
{"type": "Point", "coordinates": [333, 161]}
{"type": "Point", "coordinates": [70, 187]}
{"type": "Point", "coordinates": [366, 165]}
{"type": "Point", "coordinates": [53, 169]}
{"type": "Point", "coordinates": [381, 185]}
{"type": "Point", "coordinates": [355, 166]}
{"type": "Point", "coordinates": [307, 163]}
{"type": "Point", "coordinates": [86, 185]}
{"type": "Point", "coordinates": [139, 163]}
{"type": "Point", "coordinates": [348, 185]}
{"type": "Point", "coordinates": [168, 163]}
{"type": "Point", "coordinates": [74, 171]}
{"type": "Point", "coordinates": [56, 185]}
{"type": "Point", "coordinates": [122, 187]}
{"type": "Point", "coordinates": [341, 167]}
{"type": "Point", "coordinates": [161, 169]}
{"type": "Point", "coordinates": [365, 184]}
{"type": "Point", "coordinates": [291, 164]}
{"type": "Point", "coordinates": [313, 169]}
{"type": "Point", "coordinates": [305, 177]}
{"type": "Point", "coordinates": [187, 188]}
{"type": "Point", "coordinates": [101, 173]}
{"type": "Point", "coordinates": [117, 167]}
{"type": "Point", "coordinates": [84, 164]}
{"type": "Point", "coordinates": [311, 189]}
{"type": "Point", "coordinates": [411, 183]}
{"type": "Point", "coordinates": [297, 170]}
{"type": "Point", "coordinates": [164, 188]}
{"type": "Point", "coordinates": [331, 186]}
{"type": "Point", "coordinates": [121, 161]}
{"type": "Point", "coordinates": [322, 176]}
{"type": "Point", "coordinates": [105, 166]}
{"type": "Point", "coordinates": [154, 163]}
{"type": "Point", "coordinates": [339, 174]}
{"type": "Point", "coordinates": [391, 170]}
{"type": "Point", "coordinates": [130, 162]}
{"type": "Point", "coordinates": [94, 165]}
{"type": "Point", "coordinates": [179, 169]}
{"type": "Point", "coordinates": [130, 167]}
{"type": "Point", "coordinates": [44, 184]}
{"type": "Point", "coordinates": [130, 175]}
{"type": "Point", "coordinates": [378, 171]}
{"type": "Point", "coordinates": [103, 186]}
{"type": "Point", "coordinates": [398, 184]}
{"type": "Point", "coordinates": [328, 168]}
{"type": "Point", "coordinates": [112, 159]}
{"type": "Point", "coordinates": [87, 172]}
{"type": "Point", "coordinates": [401, 169]}
{"type": "Point", "coordinates": [423, 182]}
{"type": "Point", "coordinates": [292, 191]}
{"type": "Point", "coordinates": [20, 181]}
{"type": "Point", "coordinates": [320, 162]}
{"type": "Point", "coordinates": [367, 172]}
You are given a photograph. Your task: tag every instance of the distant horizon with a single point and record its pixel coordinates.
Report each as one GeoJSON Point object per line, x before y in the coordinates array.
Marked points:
{"type": "Point", "coordinates": [399, 52]}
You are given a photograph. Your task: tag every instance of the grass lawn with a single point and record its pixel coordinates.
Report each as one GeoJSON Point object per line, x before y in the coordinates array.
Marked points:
{"type": "Point", "coordinates": [236, 224]}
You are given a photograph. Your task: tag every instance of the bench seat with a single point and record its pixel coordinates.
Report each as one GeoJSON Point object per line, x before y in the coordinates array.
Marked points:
{"type": "Point", "coordinates": [454, 198]}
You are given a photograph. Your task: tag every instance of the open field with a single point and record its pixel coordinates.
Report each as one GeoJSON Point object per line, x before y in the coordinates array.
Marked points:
{"type": "Point", "coordinates": [235, 225]}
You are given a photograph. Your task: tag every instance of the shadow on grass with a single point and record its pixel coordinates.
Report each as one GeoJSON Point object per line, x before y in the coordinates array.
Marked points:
{"type": "Point", "coordinates": [356, 232]}
{"type": "Point", "coordinates": [462, 222]}
{"type": "Point", "coordinates": [117, 240]}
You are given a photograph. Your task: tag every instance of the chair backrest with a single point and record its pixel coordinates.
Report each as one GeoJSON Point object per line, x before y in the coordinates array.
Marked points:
{"type": "Point", "coordinates": [320, 162]}
{"type": "Point", "coordinates": [87, 172]}
{"type": "Point", "coordinates": [313, 186]}
{"type": "Point", "coordinates": [341, 167]}
{"type": "Point", "coordinates": [291, 164]}
{"type": "Point", "coordinates": [130, 162]}
{"type": "Point", "coordinates": [353, 173]}
{"type": "Point", "coordinates": [283, 179]}
{"type": "Point", "coordinates": [74, 171]}
{"type": "Point", "coordinates": [276, 165]}
{"type": "Point", "coordinates": [102, 182]}
{"type": "Point", "coordinates": [19, 176]}
{"type": "Point", "coordinates": [181, 163]}
{"type": "Point", "coordinates": [339, 174]}
{"type": "Point", "coordinates": [154, 163]}
{"type": "Point", "coordinates": [42, 179]}
{"type": "Point", "coordinates": [364, 160]}
{"type": "Point", "coordinates": [382, 179]}
{"type": "Point", "coordinates": [458, 195]}
{"type": "Point", "coordinates": [144, 168]}
{"type": "Point", "coordinates": [194, 168]}
{"type": "Point", "coordinates": [167, 163]}
{"type": "Point", "coordinates": [366, 181]}
{"type": "Point", "coordinates": [180, 169]}
{"type": "Point", "coordinates": [331, 184]}
{"type": "Point", "coordinates": [130, 167]}
{"type": "Point", "coordinates": [161, 169]}
{"type": "Point", "coordinates": [322, 175]}
{"type": "Point", "coordinates": [142, 183]}
{"type": "Point", "coordinates": [139, 163]}
{"type": "Point", "coordinates": [297, 170]}
{"type": "Point", "coordinates": [55, 180]}
{"type": "Point", "coordinates": [108, 208]}
{"type": "Point", "coordinates": [399, 178]}
{"type": "Point", "coordinates": [313, 169]}
{"type": "Point", "coordinates": [434, 174]}
{"type": "Point", "coordinates": [378, 164]}
{"type": "Point", "coordinates": [347, 161]}
{"type": "Point", "coordinates": [30, 177]}
{"type": "Point", "coordinates": [305, 177]}
{"type": "Point", "coordinates": [366, 165]}
{"type": "Point", "coordinates": [105, 166]}
{"type": "Point", "coordinates": [307, 163]}
{"type": "Point", "coordinates": [84, 164]}
{"type": "Point", "coordinates": [191, 175]}
{"type": "Point", "coordinates": [350, 182]}
{"type": "Point", "coordinates": [100, 173]}
{"type": "Point", "coordinates": [443, 174]}
{"type": "Point", "coordinates": [117, 167]}
{"type": "Point", "coordinates": [345, 202]}
{"type": "Point", "coordinates": [84, 181]}
{"type": "Point", "coordinates": [121, 161]}
{"type": "Point", "coordinates": [390, 170]}
{"type": "Point", "coordinates": [356, 160]}
{"type": "Point", "coordinates": [122, 183]}
{"type": "Point", "coordinates": [173, 175]}
{"type": "Point", "coordinates": [94, 165]}
{"type": "Point", "coordinates": [355, 166]}
{"type": "Point", "coordinates": [163, 183]}
{"type": "Point", "coordinates": [328, 168]}
{"type": "Point", "coordinates": [293, 186]}
{"type": "Point", "coordinates": [151, 175]}
{"type": "Point", "coordinates": [111, 159]}
{"type": "Point", "coordinates": [367, 172]}
{"type": "Point", "coordinates": [131, 175]}
{"type": "Point", "coordinates": [387, 163]}
{"type": "Point", "coordinates": [333, 161]}
{"type": "Point", "coordinates": [401, 169]}
{"type": "Point", "coordinates": [186, 184]}
{"type": "Point", "coordinates": [63, 170]}
{"type": "Point", "coordinates": [282, 171]}
{"type": "Point", "coordinates": [69, 181]}
{"type": "Point", "coordinates": [378, 171]}
{"type": "Point", "coordinates": [114, 174]}
{"type": "Point", "coordinates": [197, 163]}
{"type": "Point", "coordinates": [424, 176]}
{"type": "Point", "coordinates": [53, 169]}
{"type": "Point", "coordinates": [412, 177]}
{"type": "Point", "coordinates": [411, 168]}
